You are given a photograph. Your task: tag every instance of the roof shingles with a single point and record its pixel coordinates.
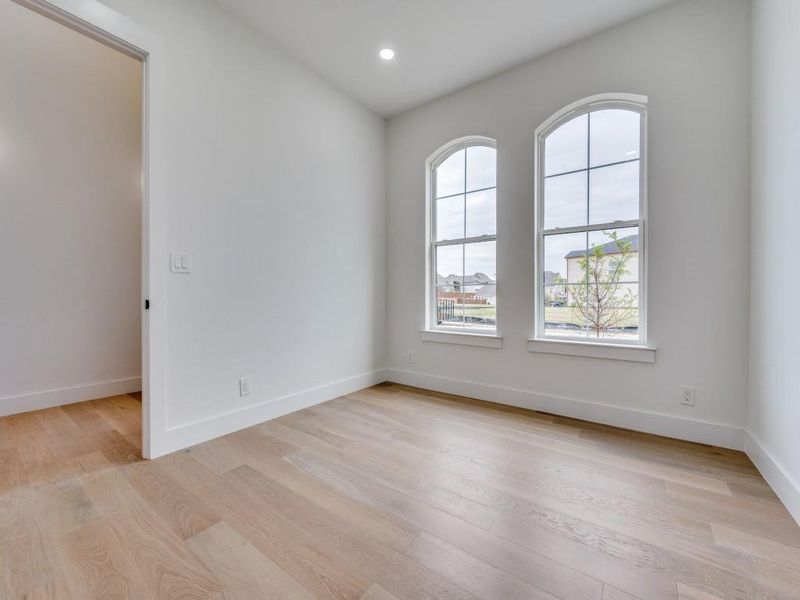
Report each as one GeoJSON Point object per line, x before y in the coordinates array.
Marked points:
{"type": "Point", "coordinates": [610, 247]}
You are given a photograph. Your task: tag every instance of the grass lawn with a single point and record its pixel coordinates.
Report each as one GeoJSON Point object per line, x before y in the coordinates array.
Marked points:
{"type": "Point", "coordinates": [483, 311]}
{"type": "Point", "coordinates": [553, 315]}
{"type": "Point", "coordinates": [565, 314]}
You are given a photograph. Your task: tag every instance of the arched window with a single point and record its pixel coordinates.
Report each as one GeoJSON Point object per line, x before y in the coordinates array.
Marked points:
{"type": "Point", "coordinates": [590, 220]}
{"type": "Point", "coordinates": [462, 237]}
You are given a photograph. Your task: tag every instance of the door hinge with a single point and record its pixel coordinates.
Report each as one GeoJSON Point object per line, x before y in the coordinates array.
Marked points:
{"type": "Point", "coordinates": [147, 304]}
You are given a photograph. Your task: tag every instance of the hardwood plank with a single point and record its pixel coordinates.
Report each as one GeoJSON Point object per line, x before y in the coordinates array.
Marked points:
{"type": "Point", "coordinates": [756, 545]}
{"type": "Point", "coordinates": [54, 590]}
{"type": "Point", "coordinates": [376, 592]}
{"type": "Point", "coordinates": [244, 571]}
{"type": "Point", "coordinates": [26, 559]}
{"type": "Point", "coordinates": [218, 455]}
{"type": "Point", "coordinates": [612, 593]}
{"type": "Point", "coordinates": [124, 414]}
{"type": "Point", "coordinates": [25, 433]}
{"type": "Point", "coordinates": [647, 559]}
{"type": "Point", "coordinates": [117, 448]}
{"type": "Point", "coordinates": [391, 493]}
{"type": "Point", "coordinates": [634, 516]}
{"type": "Point", "coordinates": [63, 506]}
{"type": "Point", "coordinates": [12, 472]}
{"type": "Point", "coordinates": [187, 514]}
{"type": "Point", "coordinates": [594, 455]}
{"type": "Point", "coordinates": [687, 592]}
{"type": "Point", "coordinates": [306, 425]}
{"type": "Point", "coordinates": [165, 563]}
{"type": "Point", "coordinates": [57, 426]}
{"type": "Point", "coordinates": [538, 557]}
{"type": "Point", "coordinates": [482, 579]}
{"type": "Point", "coordinates": [779, 577]}
{"type": "Point", "coordinates": [376, 559]}
{"type": "Point", "coordinates": [299, 438]}
{"type": "Point", "coordinates": [288, 546]}
{"type": "Point", "coordinates": [254, 440]}
{"type": "Point", "coordinates": [382, 525]}
{"type": "Point", "coordinates": [104, 567]}
{"type": "Point", "coordinates": [474, 417]}
{"type": "Point", "coordinates": [60, 509]}
{"type": "Point", "coordinates": [86, 418]}
{"type": "Point", "coordinates": [746, 514]}
{"type": "Point", "coordinates": [167, 566]}
{"type": "Point", "coordinates": [516, 495]}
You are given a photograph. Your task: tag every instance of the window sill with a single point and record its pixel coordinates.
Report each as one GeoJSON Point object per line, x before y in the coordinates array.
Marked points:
{"type": "Point", "coordinates": [464, 339]}
{"type": "Point", "coordinates": [632, 353]}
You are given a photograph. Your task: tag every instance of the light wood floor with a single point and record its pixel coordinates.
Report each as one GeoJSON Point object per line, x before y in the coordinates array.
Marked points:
{"type": "Point", "coordinates": [389, 493]}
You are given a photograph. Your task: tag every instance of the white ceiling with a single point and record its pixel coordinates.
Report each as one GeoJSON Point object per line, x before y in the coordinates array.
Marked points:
{"type": "Point", "coordinates": [441, 45]}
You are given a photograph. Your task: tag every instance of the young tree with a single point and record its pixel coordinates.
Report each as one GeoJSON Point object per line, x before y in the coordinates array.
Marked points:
{"type": "Point", "coordinates": [607, 303]}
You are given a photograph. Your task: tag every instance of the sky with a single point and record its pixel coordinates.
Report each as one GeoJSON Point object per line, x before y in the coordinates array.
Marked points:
{"type": "Point", "coordinates": [601, 194]}
{"type": "Point", "coordinates": [592, 176]}
{"type": "Point", "coordinates": [462, 181]}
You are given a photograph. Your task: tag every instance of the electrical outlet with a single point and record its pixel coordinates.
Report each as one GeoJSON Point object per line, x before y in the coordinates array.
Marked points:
{"type": "Point", "coordinates": [244, 386]}
{"type": "Point", "coordinates": [687, 397]}
{"type": "Point", "coordinates": [410, 358]}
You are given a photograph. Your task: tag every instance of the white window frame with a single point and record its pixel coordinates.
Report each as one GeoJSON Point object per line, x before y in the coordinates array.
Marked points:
{"type": "Point", "coordinates": [632, 102]}
{"type": "Point", "coordinates": [431, 244]}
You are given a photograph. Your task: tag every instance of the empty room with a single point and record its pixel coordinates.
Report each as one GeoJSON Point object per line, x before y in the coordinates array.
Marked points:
{"type": "Point", "coordinates": [399, 299]}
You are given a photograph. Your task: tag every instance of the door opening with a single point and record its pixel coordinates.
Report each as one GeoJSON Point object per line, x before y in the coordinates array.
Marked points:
{"type": "Point", "coordinates": [73, 151]}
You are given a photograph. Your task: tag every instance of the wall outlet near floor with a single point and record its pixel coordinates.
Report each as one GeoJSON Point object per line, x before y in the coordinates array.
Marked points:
{"type": "Point", "coordinates": [687, 395]}
{"type": "Point", "coordinates": [244, 386]}
{"type": "Point", "coordinates": [410, 358]}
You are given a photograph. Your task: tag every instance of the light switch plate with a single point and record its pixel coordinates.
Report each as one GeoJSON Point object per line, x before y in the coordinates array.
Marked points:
{"type": "Point", "coordinates": [180, 262]}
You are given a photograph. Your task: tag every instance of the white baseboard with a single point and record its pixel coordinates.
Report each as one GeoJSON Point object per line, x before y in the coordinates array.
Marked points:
{"type": "Point", "coordinates": [11, 405]}
{"type": "Point", "coordinates": [190, 434]}
{"type": "Point", "coordinates": [704, 432]}
{"type": "Point", "coordinates": [779, 479]}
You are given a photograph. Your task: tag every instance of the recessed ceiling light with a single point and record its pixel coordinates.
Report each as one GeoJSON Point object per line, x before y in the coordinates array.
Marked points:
{"type": "Point", "coordinates": [386, 53]}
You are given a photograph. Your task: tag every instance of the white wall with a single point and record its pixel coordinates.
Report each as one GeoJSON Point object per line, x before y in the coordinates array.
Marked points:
{"type": "Point", "coordinates": [276, 187]}
{"type": "Point", "coordinates": [70, 202]}
{"type": "Point", "coordinates": [774, 415]}
{"type": "Point", "coordinates": [691, 59]}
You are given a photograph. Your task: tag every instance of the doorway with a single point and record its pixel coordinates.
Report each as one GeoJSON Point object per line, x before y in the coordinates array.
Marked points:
{"type": "Point", "coordinates": [74, 242]}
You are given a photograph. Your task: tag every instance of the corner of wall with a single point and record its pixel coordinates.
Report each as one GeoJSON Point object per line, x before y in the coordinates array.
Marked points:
{"type": "Point", "coordinates": [704, 432]}
{"type": "Point", "coordinates": [219, 425]}
{"type": "Point", "coordinates": [779, 479]}
{"type": "Point", "coordinates": [769, 442]}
